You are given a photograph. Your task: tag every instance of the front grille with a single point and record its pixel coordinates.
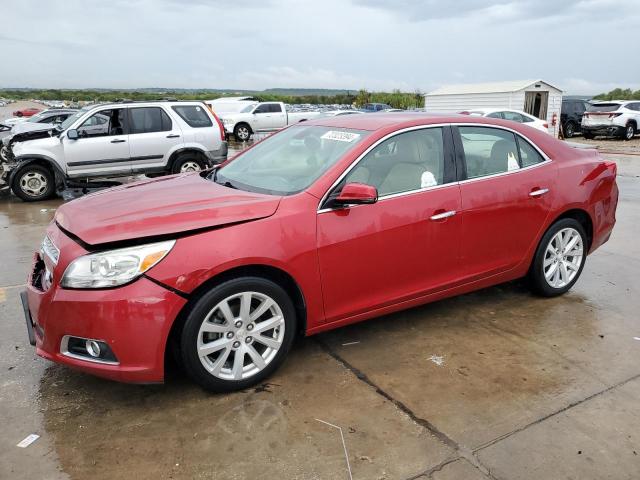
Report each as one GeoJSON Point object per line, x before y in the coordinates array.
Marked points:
{"type": "Point", "coordinates": [37, 276]}
{"type": "Point", "coordinates": [50, 250]}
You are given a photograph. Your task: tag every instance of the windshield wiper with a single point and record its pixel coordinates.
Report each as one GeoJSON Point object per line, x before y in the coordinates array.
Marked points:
{"type": "Point", "coordinates": [226, 183]}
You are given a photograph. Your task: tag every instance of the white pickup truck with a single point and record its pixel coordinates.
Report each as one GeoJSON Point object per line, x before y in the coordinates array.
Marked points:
{"type": "Point", "coordinates": [261, 117]}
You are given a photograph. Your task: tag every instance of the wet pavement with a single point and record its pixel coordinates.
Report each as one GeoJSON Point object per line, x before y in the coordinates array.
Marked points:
{"type": "Point", "coordinates": [497, 384]}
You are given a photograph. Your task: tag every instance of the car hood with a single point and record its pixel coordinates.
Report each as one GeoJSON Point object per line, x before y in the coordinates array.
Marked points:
{"type": "Point", "coordinates": [31, 127]}
{"type": "Point", "coordinates": [162, 207]}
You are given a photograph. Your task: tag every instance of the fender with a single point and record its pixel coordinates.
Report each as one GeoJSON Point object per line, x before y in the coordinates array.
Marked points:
{"type": "Point", "coordinates": [182, 149]}
{"type": "Point", "coordinates": [23, 160]}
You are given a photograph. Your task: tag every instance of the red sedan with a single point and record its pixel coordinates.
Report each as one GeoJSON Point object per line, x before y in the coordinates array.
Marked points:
{"type": "Point", "coordinates": [324, 224]}
{"type": "Point", "coordinates": [26, 112]}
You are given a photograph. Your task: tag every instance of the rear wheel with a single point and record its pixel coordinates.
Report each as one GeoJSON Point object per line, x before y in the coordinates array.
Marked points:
{"type": "Point", "coordinates": [587, 135]}
{"type": "Point", "coordinates": [237, 334]}
{"type": "Point", "coordinates": [559, 259]}
{"type": "Point", "coordinates": [190, 162]}
{"type": "Point", "coordinates": [33, 183]}
{"type": "Point", "coordinates": [629, 131]}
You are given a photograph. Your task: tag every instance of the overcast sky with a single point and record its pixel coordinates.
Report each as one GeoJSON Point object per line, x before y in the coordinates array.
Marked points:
{"type": "Point", "coordinates": [582, 46]}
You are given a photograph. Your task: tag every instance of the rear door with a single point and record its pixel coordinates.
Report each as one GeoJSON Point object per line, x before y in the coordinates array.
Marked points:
{"type": "Point", "coordinates": [406, 244]}
{"type": "Point", "coordinates": [152, 135]}
{"type": "Point", "coordinates": [506, 186]}
{"type": "Point", "coordinates": [102, 147]}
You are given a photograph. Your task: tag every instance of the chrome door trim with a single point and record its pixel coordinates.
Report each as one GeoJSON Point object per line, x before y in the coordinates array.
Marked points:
{"type": "Point", "coordinates": [443, 215]}
{"type": "Point", "coordinates": [539, 193]}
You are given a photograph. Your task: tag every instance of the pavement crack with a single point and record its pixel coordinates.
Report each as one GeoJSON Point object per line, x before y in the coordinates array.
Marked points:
{"type": "Point", "coordinates": [442, 437]}
{"type": "Point", "coordinates": [553, 414]}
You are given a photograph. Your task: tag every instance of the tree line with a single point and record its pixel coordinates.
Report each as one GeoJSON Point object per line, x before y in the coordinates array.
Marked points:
{"type": "Point", "coordinates": [395, 99]}
{"type": "Point", "coordinates": [619, 94]}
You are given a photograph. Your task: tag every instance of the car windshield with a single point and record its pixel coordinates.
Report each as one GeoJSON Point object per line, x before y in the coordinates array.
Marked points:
{"type": "Point", "coordinates": [604, 107]}
{"type": "Point", "coordinates": [289, 161]}
{"type": "Point", "coordinates": [38, 116]}
{"type": "Point", "coordinates": [69, 121]}
{"type": "Point", "coordinates": [248, 108]}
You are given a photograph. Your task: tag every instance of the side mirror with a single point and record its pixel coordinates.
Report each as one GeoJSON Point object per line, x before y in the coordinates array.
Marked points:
{"type": "Point", "coordinates": [73, 134]}
{"type": "Point", "coordinates": [357, 194]}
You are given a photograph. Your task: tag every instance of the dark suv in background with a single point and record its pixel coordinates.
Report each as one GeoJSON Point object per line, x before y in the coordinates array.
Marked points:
{"type": "Point", "coordinates": [571, 115]}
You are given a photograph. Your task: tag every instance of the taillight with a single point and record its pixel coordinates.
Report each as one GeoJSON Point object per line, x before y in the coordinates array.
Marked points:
{"type": "Point", "coordinates": [614, 115]}
{"type": "Point", "coordinates": [222, 135]}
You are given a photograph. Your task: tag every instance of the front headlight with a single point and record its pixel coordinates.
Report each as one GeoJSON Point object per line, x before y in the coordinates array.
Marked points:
{"type": "Point", "coordinates": [114, 267]}
{"type": "Point", "coordinates": [227, 121]}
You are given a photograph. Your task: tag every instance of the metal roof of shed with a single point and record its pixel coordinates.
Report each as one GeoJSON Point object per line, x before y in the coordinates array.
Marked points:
{"type": "Point", "coordinates": [491, 87]}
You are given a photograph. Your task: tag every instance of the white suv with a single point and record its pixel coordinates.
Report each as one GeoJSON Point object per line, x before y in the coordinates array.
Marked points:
{"type": "Point", "coordinates": [114, 140]}
{"type": "Point", "coordinates": [619, 118]}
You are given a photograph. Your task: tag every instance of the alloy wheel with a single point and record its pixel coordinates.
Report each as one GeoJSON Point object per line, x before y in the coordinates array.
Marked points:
{"type": "Point", "coordinates": [629, 132]}
{"type": "Point", "coordinates": [243, 133]}
{"type": "Point", "coordinates": [190, 166]}
{"type": "Point", "coordinates": [563, 257]}
{"type": "Point", "coordinates": [33, 184]}
{"type": "Point", "coordinates": [241, 335]}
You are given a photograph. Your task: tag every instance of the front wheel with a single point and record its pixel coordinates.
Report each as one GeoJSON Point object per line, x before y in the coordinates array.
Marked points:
{"type": "Point", "coordinates": [33, 183]}
{"type": "Point", "coordinates": [569, 130]}
{"type": "Point", "coordinates": [237, 334]}
{"type": "Point", "coordinates": [559, 259]}
{"type": "Point", "coordinates": [242, 133]}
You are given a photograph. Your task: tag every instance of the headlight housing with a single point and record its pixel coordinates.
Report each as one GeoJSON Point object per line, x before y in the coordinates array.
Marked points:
{"type": "Point", "coordinates": [114, 267]}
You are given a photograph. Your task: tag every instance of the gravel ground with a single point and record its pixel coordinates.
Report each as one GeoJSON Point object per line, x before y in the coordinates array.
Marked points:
{"type": "Point", "coordinates": [611, 144]}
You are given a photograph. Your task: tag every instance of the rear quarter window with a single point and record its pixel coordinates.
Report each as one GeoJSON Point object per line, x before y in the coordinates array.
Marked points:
{"type": "Point", "coordinates": [193, 115]}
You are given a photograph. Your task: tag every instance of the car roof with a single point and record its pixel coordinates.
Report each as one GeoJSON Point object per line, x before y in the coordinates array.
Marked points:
{"type": "Point", "coordinates": [380, 120]}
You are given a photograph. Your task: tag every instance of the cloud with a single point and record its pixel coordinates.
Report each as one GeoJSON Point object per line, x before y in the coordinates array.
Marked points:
{"type": "Point", "coordinates": [375, 44]}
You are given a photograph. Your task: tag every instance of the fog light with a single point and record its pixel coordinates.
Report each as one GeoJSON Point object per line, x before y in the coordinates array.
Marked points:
{"type": "Point", "coordinates": [87, 349]}
{"type": "Point", "coordinates": [93, 348]}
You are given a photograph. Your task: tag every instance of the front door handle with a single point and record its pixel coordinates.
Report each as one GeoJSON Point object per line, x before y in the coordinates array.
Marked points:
{"type": "Point", "coordinates": [118, 140]}
{"type": "Point", "coordinates": [174, 135]}
{"type": "Point", "coordinates": [443, 215]}
{"type": "Point", "coordinates": [539, 192]}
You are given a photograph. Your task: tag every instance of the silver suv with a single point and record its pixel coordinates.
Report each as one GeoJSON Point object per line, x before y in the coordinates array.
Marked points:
{"type": "Point", "coordinates": [113, 140]}
{"type": "Point", "coordinates": [616, 118]}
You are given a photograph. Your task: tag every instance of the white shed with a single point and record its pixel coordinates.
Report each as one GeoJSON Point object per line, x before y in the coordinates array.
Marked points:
{"type": "Point", "coordinates": [536, 97]}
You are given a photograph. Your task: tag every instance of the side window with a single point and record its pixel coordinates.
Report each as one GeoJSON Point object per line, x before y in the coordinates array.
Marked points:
{"type": "Point", "coordinates": [148, 120]}
{"type": "Point", "coordinates": [264, 108]}
{"type": "Point", "coordinates": [275, 108]}
{"type": "Point", "coordinates": [405, 162]}
{"type": "Point", "coordinates": [488, 151]}
{"type": "Point", "coordinates": [495, 115]}
{"type": "Point", "coordinates": [104, 123]}
{"type": "Point", "coordinates": [513, 116]}
{"type": "Point", "coordinates": [528, 155]}
{"type": "Point", "coordinates": [193, 115]}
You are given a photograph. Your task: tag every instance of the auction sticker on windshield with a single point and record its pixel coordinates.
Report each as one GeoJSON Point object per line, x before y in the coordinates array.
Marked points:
{"type": "Point", "coordinates": [340, 136]}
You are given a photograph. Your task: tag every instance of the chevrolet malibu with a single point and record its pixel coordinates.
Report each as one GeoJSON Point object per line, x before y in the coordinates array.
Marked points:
{"type": "Point", "coordinates": [321, 225]}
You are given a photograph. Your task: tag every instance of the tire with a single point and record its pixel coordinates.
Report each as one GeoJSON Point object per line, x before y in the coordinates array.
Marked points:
{"type": "Point", "coordinates": [220, 371]}
{"type": "Point", "coordinates": [33, 183]}
{"type": "Point", "coordinates": [629, 131]}
{"type": "Point", "coordinates": [547, 280]}
{"type": "Point", "coordinates": [569, 130]}
{"type": "Point", "coordinates": [189, 162]}
{"type": "Point", "coordinates": [242, 132]}
{"type": "Point", "coordinates": [588, 135]}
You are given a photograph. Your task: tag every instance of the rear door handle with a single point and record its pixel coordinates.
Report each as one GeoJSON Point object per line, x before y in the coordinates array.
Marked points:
{"type": "Point", "coordinates": [174, 135]}
{"type": "Point", "coordinates": [443, 215]}
{"type": "Point", "coordinates": [118, 140]}
{"type": "Point", "coordinates": [539, 192]}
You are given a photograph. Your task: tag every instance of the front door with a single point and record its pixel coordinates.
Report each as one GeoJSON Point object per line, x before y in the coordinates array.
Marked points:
{"type": "Point", "coordinates": [407, 243]}
{"type": "Point", "coordinates": [102, 147]}
{"type": "Point", "coordinates": [506, 197]}
{"type": "Point", "coordinates": [152, 134]}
